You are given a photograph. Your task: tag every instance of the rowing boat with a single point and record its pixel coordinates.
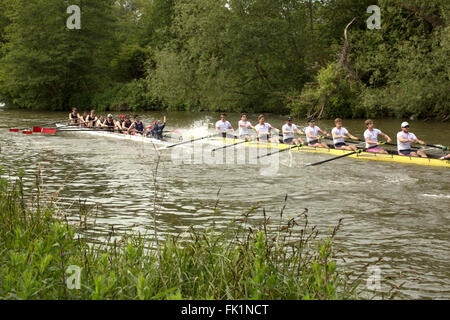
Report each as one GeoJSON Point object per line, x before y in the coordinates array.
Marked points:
{"type": "Point", "coordinates": [113, 135]}
{"type": "Point", "coordinates": [432, 162]}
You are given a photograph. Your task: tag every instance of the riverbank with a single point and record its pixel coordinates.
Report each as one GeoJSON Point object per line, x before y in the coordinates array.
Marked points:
{"type": "Point", "coordinates": [46, 257]}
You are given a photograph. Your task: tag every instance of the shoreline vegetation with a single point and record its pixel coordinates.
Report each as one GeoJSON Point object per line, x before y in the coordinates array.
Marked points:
{"type": "Point", "coordinates": [243, 261]}
{"type": "Point", "coordinates": [304, 58]}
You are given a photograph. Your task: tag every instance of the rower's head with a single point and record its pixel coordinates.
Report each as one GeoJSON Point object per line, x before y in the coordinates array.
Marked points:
{"type": "Point", "coordinates": [101, 117]}
{"type": "Point", "coordinates": [74, 110]}
{"type": "Point", "coordinates": [243, 116]}
{"type": "Point", "coordinates": [127, 117]}
{"type": "Point", "coordinates": [311, 122]}
{"type": "Point", "coordinates": [110, 116]}
{"type": "Point", "coordinates": [136, 118]}
{"type": "Point", "coordinates": [261, 119]}
{"type": "Point", "coordinates": [369, 124]}
{"type": "Point", "coordinates": [289, 120]}
{"type": "Point", "coordinates": [85, 113]}
{"type": "Point", "coordinates": [92, 112]}
{"type": "Point", "coordinates": [223, 116]}
{"type": "Point", "coordinates": [405, 126]}
{"type": "Point", "coordinates": [338, 122]}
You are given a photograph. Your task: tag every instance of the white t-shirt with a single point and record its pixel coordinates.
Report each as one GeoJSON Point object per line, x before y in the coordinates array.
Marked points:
{"type": "Point", "coordinates": [263, 130]}
{"type": "Point", "coordinates": [291, 128]}
{"type": "Point", "coordinates": [243, 130]}
{"type": "Point", "coordinates": [372, 135]}
{"type": "Point", "coordinates": [339, 132]}
{"type": "Point", "coordinates": [313, 131]}
{"type": "Point", "coordinates": [223, 126]}
{"type": "Point", "coordinates": [407, 145]}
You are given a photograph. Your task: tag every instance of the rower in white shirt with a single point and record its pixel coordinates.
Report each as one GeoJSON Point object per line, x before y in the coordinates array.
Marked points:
{"type": "Point", "coordinates": [263, 130]}
{"type": "Point", "coordinates": [288, 133]}
{"type": "Point", "coordinates": [339, 133]}
{"type": "Point", "coordinates": [223, 126]}
{"type": "Point", "coordinates": [404, 140]}
{"type": "Point", "coordinates": [312, 135]}
{"type": "Point", "coordinates": [371, 137]}
{"type": "Point", "coordinates": [244, 125]}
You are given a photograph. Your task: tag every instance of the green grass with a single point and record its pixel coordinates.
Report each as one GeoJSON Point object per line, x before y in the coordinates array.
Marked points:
{"type": "Point", "coordinates": [281, 260]}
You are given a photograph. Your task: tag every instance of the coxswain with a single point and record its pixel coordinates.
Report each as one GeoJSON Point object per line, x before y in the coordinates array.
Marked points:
{"type": "Point", "coordinates": [404, 140]}
{"type": "Point", "coordinates": [264, 130]}
{"type": "Point", "coordinates": [289, 129]}
{"type": "Point", "coordinates": [312, 135]}
{"type": "Point", "coordinates": [244, 125]}
{"type": "Point", "coordinates": [371, 137]}
{"type": "Point", "coordinates": [339, 134]}
{"type": "Point", "coordinates": [74, 117]}
{"type": "Point", "coordinates": [223, 126]}
{"type": "Point", "coordinates": [156, 131]}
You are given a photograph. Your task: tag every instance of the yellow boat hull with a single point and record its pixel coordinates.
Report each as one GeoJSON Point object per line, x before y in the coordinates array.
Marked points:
{"type": "Point", "coordinates": [334, 152]}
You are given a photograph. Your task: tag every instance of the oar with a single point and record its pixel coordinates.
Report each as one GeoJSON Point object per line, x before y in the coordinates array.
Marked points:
{"type": "Point", "coordinates": [279, 151]}
{"type": "Point", "coordinates": [45, 124]}
{"type": "Point", "coordinates": [444, 148]}
{"type": "Point", "coordinates": [335, 158]}
{"type": "Point", "coordinates": [230, 145]}
{"type": "Point", "coordinates": [190, 141]}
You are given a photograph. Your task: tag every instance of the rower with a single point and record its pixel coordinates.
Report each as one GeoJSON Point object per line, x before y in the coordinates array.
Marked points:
{"type": "Point", "coordinates": [223, 126]}
{"type": "Point", "coordinates": [74, 117]}
{"type": "Point", "coordinates": [244, 125]}
{"type": "Point", "coordinates": [137, 127]}
{"type": "Point", "coordinates": [404, 140]}
{"type": "Point", "coordinates": [121, 119]}
{"type": "Point", "coordinates": [339, 133]}
{"type": "Point", "coordinates": [371, 137]}
{"type": "Point", "coordinates": [264, 130]}
{"type": "Point", "coordinates": [126, 125]}
{"type": "Point", "coordinates": [84, 119]}
{"type": "Point", "coordinates": [110, 123]}
{"type": "Point", "coordinates": [312, 135]}
{"type": "Point", "coordinates": [100, 121]}
{"type": "Point", "coordinates": [156, 131]}
{"type": "Point", "coordinates": [288, 132]}
{"type": "Point", "coordinates": [91, 119]}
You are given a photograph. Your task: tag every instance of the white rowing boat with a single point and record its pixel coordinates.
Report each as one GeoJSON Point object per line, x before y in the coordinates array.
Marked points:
{"type": "Point", "coordinates": [112, 135]}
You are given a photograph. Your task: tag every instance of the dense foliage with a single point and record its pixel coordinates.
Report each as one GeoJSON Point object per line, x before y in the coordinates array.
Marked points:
{"type": "Point", "coordinates": [280, 56]}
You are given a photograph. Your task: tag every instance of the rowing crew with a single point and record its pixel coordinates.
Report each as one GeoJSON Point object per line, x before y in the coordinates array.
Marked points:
{"type": "Point", "coordinates": [123, 125]}
{"type": "Point", "coordinates": [339, 133]}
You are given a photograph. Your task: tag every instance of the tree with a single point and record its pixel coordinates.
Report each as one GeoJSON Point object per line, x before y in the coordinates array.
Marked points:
{"type": "Point", "coordinates": [46, 66]}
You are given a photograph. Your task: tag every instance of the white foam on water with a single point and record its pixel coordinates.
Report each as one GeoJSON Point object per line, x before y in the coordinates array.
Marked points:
{"type": "Point", "coordinates": [436, 196]}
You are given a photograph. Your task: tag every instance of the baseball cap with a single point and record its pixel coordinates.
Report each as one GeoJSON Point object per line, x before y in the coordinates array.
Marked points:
{"type": "Point", "coordinates": [110, 115]}
{"type": "Point", "coordinates": [405, 124]}
{"type": "Point", "coordinates": [121, 116]}
{"type": "Point", "coordinates": [289, 119]}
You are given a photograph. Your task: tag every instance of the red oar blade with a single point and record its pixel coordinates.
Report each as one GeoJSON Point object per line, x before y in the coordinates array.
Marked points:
{"type": "Point", "coordinates": [37, 129]}
{"type": "Point", "coordinates": [48, 131]}
{"type": "Point", "coordinates": [27, 132]}
{"type": "Point", "coordinates": [13, 130]}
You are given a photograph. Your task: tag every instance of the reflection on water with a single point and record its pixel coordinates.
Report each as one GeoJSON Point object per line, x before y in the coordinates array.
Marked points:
{"type": "Point", "coordinates": [397, 212]}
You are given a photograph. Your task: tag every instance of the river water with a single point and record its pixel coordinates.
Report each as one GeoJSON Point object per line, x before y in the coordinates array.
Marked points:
{"type": "Point", "coordinates": [396, 212]}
